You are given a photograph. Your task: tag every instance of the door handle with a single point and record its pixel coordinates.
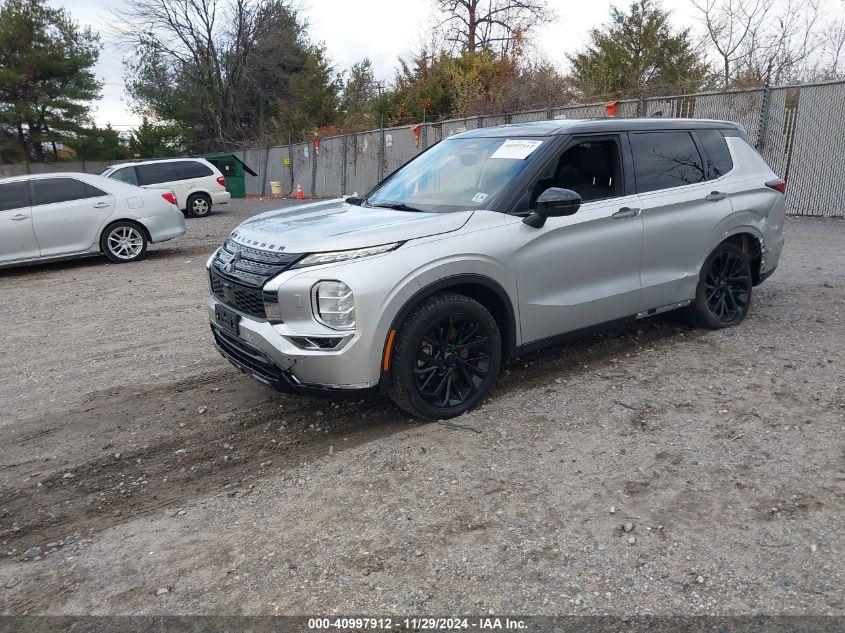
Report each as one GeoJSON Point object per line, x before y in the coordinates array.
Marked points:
{"type": "Point", "coordinates": [625, 212]}
{"type": "Point", "coordinates": [20, 217]}
{"type": "Point", "coordinates": [715, 196]}
{"type": "Point", "coordinates": [102, 205]}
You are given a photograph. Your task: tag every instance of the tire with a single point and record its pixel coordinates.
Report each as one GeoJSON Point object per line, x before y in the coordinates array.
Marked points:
{"type": "Point", "coordinates": [446, 357]}
{"type": "Point", "coordinates": [124, 242]}
{"type": "Point", "coordinates": [199, 205]}
{"type": "Point", "coordinates": [723, 294]}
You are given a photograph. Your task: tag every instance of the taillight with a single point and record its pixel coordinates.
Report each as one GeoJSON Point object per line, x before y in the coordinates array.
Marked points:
{"type": "Point", "coordinates": [221, 181]}
{"type": "Point", "coordinates": [170, 198]}
{"type": "Point", "coordinates": [777, 185]}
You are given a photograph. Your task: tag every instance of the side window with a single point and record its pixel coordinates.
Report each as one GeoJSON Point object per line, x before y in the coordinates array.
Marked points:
{"type": "Point", "coordinates": [719, 156]}
{"type": "Point", "coordinates": [154, 173]}
{"type": "Point", "coordinates": [663, 160]}
{"type": "Point", "coordinates": [125, 174]}
{"type": "Point", "coordinates": [14, 195]}
{"type": "Point", "coordinates": [591, 168]}
{"type": "Point", "coordinates": [187, 169]}
{"type": "Point", "coordinates": [52, 190]}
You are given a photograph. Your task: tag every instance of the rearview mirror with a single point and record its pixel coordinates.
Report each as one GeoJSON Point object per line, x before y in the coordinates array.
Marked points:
{"type": "Point", "coordinates": [553, 202]}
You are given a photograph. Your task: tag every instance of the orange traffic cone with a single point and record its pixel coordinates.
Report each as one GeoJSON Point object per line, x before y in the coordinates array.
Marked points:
{"type": "Point", "coordinates": [299, 195]}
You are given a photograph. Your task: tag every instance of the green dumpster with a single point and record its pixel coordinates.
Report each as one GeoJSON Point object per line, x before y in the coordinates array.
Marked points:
{"type": "Point", "coordinates": [234, 170]}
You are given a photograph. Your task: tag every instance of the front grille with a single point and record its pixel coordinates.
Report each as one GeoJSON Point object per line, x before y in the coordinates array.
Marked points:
{"type": "Point", "coordinates": [238, 274]}
{"type": "Point", "coordinates": [238, 296]}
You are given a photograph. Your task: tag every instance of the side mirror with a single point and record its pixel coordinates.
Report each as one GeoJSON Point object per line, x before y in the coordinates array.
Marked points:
{"type": "Point", "coordinates": [553, 202]}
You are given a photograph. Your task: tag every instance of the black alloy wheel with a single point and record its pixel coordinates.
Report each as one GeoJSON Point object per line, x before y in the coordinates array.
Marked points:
{"type": "Point", "coordinates": [446, 357]}
{"type": "Point", "coordinates": [723, 296]}
{"type": "Point", "coordinates": [452, 361]}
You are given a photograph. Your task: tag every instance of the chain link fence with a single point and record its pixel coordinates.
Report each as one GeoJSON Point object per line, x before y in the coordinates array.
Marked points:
{"type": "Point", "coordinates": [799, 130]}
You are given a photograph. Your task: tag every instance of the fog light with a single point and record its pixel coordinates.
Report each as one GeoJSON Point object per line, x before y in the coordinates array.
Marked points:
{"type": "Point", "coordinates": [271, 306]}
{"type": "Point", "coordinates": [333, 305]}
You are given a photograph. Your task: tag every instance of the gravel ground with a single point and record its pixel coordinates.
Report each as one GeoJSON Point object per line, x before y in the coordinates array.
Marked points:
{"type": "Point", "coordinates": [653, 469]}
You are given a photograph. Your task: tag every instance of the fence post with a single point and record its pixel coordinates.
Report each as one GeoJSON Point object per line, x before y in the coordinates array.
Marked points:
{"type": "Point", "coordinates": [641, 106]}
{"type": "Point", "coordinates": [290, 167]}
{"type": "Point", "coordinates": [550, 112]}
{"type": "Point", "coordinates": [313, 170]}
{"type": "Point", "coordinates": [343, 165]}
{"type": "Point", "coordinates": [381, 154]}
{"type": "Point", "coordinates": [763, 124]}
{"type": "Point", "coordinates": [264, 173]}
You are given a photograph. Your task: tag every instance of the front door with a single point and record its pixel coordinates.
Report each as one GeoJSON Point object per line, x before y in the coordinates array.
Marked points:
{"type": "Point", "coordinates": [17, 239]}
{"type": "Point", "coordinates": [67, 214]}
{"type": "Point", "coordinates": [584, 269]}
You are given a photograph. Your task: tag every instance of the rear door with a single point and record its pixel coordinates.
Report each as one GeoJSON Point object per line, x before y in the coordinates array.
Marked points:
{"type": "Point", "coordinates": [194, 176]}
{"type": "Point", "coordinates": [163, 176]}
{"type": "Point", "coordinates": [682, 209]}
{"type": "Point", "coordinates": [17, 238]}
{"type": "Point", "coordinates": [67, 214]}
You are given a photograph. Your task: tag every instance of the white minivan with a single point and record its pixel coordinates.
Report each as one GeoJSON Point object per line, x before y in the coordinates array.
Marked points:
{"type": "Point", "coordinates": [196, 183]}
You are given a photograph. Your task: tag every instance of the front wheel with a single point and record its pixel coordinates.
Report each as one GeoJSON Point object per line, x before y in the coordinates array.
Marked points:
{"type": "Point", "coordinates": [446, 358]}
{"type": "Point", "coordinates": [723, 295]}
{"type": "Point", "coordinates": [123, 242]}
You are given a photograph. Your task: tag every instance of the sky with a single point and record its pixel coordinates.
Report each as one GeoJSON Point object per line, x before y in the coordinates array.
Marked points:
{"type": "Point", "coordinates": [382, 30]}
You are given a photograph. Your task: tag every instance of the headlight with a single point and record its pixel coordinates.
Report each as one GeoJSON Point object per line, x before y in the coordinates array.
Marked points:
{"type": "Point", "coordinates": [333, 305]}
{"type": "Point", "coordinates": [342, 256]}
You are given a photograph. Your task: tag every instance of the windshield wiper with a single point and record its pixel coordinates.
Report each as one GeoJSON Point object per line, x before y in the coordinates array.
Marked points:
{"type": "Point", "coordinates": [398, 206]}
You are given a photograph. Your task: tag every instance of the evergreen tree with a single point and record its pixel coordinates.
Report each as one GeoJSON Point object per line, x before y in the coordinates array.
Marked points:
{"type": "Point", "coordinates": [637, 53]}
{"type": "Point", "coordinates": [46, 78]}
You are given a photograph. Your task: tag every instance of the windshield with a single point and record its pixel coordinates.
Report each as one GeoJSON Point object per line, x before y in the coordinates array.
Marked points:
{"type": "Point", "coordinates": [106, 171]}
{"type": "Point", "coordinates": [456, 175]}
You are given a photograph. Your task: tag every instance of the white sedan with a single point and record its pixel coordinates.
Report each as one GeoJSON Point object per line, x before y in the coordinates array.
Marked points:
{"type": "Point", "coordinates": [64, 215]}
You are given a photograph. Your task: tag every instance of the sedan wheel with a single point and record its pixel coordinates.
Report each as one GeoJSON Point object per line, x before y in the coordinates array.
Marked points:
{"type": "Point", "coordinates": [124, 242]}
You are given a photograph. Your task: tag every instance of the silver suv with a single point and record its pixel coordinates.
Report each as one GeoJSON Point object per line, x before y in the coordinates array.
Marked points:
{"type": "Point", "coordinates": [494, 243]}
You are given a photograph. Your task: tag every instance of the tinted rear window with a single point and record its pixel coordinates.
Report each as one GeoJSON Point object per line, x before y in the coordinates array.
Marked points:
{"type": "Point", "coordinates": [14, 195]}
{"type": "Point", "coordinates": [52, 190]}
{"type": "Point", "coordinates": [720, 161]}
{"type": "Point", "coordinates": [153, 173]}
{"type": "Point", "coordinates": [191, 169]}
{"type": "Point", "coordinates": [663, 160]}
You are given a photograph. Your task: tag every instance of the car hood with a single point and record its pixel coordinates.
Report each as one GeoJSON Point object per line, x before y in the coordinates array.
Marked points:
{"type": "Point", "coordinates": [336, 225]}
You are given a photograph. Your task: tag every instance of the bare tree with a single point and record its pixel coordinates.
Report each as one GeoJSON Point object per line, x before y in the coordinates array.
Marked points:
{"type": "Point", "coordinates": [756, 42]}
{"type": "Point", "coordinates": [471, 25]}
{"type": "Point", "coordinates": [729, 24]}
{"type": "Point", "coordinates": [218, 67]}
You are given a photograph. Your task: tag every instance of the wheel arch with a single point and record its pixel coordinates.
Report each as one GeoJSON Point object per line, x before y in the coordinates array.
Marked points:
{"type": "Point", "coordinates": [750, 241]}
{"type": "Point", "coordinates": [485, 290]}
{"type": "Point", "coordinates": [111, 223]}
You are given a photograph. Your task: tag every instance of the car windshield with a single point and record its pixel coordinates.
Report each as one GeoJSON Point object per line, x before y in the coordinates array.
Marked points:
{"type": "Point", "coordinates": [456, 175]}
{"type": "Point", "coordinates": [106, 171]}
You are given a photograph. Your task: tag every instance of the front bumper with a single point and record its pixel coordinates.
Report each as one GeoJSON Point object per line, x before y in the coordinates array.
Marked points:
{"type": "Point", "coordinates": [262, 350]}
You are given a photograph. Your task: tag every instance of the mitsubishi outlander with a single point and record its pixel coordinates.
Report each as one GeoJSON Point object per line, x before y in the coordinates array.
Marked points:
{"type": "Point", "coordinates": [493, 243]}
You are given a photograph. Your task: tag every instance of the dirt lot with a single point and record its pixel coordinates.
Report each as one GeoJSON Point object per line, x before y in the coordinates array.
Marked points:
{"type": "Point", "coordinates": [152, 477]}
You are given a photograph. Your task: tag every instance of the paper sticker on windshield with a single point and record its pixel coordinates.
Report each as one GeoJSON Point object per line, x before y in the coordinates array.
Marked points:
{"type": "Point", "coordinates": [516, 149]}
{"type": "Point", "coordinates": [479, 197]}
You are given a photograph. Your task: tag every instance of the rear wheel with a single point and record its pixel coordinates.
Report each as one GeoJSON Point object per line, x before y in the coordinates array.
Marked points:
{"type": "Point", "coordinates": [723, 295]}
{"type": "Point", "coordinates": [123, 242]}
{"type": "Point", "coordinates": [199, 205]}
{"type": "Point", "coordinates": [446, 357]}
